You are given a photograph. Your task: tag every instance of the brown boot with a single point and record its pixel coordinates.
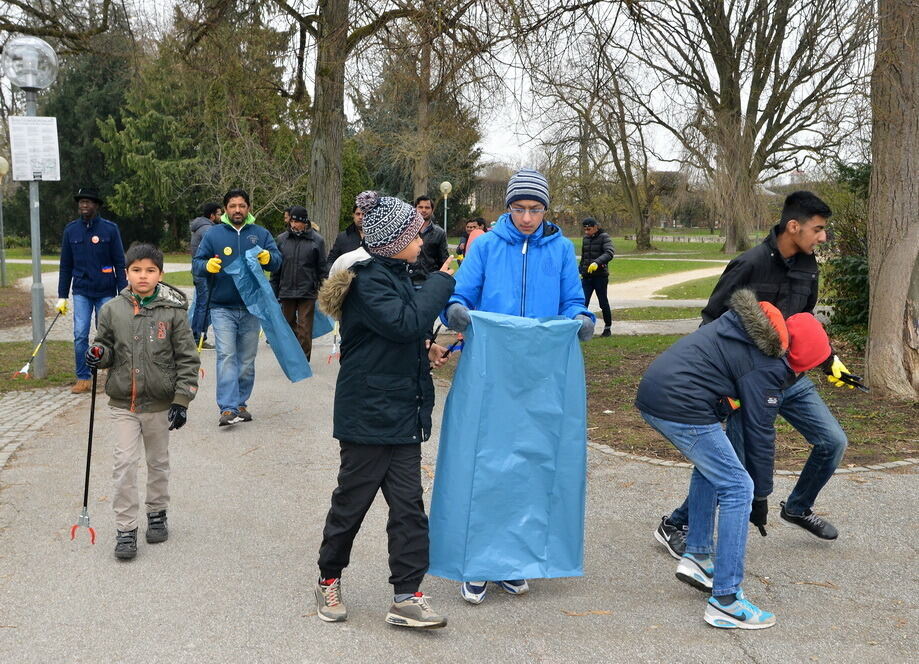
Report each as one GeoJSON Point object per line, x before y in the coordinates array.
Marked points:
{"type": "Point", "coordinates": [81, 386]}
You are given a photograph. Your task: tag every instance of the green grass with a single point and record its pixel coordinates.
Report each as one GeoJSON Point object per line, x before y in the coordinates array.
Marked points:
{"type": "Point", "coordinates": [606, 352]}
{"type": "Point", "coordinates": [627, 270]}
{"type": "Point", "coordinates": [25, 252]}
{"type": "Point", "coordinates": [697, 289]}
{"type": "Point", "coordinates": [656, 313]}
{"type": "Point", "coordinates": [16, 271]}
{"type": "Point", "coordinates": [181, 278]}
{"type": "Point", "coordinates": [58, 356]}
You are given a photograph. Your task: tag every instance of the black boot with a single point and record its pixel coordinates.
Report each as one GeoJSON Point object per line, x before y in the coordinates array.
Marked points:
{"type": "Point", "coordinates": [606, 332]}
{"type": "Point", "coordinates": [126, 544]}
{"type": "Point", "coordinates": [156, 527]}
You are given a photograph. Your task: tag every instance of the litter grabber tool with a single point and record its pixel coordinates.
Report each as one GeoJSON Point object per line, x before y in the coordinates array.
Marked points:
{"type": "Point", "coordinates": [28, 365]}
{"type": "Point", "coordinates": [335, 350]}
{"type": "Point", "coordinates": [854, 381]}
{"type": "Point", "coordinates": [83, 519]}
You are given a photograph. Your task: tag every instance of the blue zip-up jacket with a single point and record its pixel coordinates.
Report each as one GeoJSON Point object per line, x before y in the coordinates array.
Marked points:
{"type": "Point", "coordinates": [739, 355]}
{"type": "Point", "coordinates": [92, 257]}
{"type": "Point", "coordinates": [228, 244]}
{"type": "Point", "coordinates": [534, 276]}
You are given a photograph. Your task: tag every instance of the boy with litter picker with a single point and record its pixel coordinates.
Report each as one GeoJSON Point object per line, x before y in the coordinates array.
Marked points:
{"type": "Point", "coordinates": [748, 355]}
{"type": "Point", "coordinates": [145, 341]}
{"type": "Point", "coordinates": [383, 402]}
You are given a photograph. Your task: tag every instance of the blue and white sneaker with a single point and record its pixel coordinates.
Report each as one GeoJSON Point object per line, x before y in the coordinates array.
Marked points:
{"type": "Point", "coordinates": [696, 570]}
{"type": "Point", "coordinates": [474, 591]}
{"type": "Point", "coordinates": [514, 586]}
{"type": "Point", "coordinates": [739, 614]}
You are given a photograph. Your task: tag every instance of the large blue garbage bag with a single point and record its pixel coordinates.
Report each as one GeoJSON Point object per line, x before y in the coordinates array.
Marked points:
{"type": "Point", "coordinates": [256, 292]}
{"type": "Point", "coordinates": [322, 324]}
{"type": "Point", "coordinates": [509, 489]}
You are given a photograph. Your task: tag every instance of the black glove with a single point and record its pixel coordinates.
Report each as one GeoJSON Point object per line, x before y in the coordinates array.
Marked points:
{"type": "Point", "coordinates": [94, 355]}
{"type": "Point", "coordinates": [758, 514]}
{"type": "Point", "coordinates": [178, 416]}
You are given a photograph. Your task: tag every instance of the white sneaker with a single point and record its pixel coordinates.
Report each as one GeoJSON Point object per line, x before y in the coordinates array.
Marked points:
{"type": "Point", "coordinates": [474, 591]}
{"type": "Point", "coordinates": [514, 586]}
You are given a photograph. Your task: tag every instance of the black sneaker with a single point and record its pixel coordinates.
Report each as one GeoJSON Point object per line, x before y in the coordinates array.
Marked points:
{"type": "Point", "coordinates": [671, 536]}
{"type": "Point", "coordinates": [126, 544]}
{"type": "Point", "coordinates": [244, 415]}
{"type": "Point", "coordinates": [156, 527]}
{"type": "Point", "coordinates": [606, 332]}
{"type": "Point", "coordinates": [811, 523]}
{"type": "Point", "coordinates": [227, 418]}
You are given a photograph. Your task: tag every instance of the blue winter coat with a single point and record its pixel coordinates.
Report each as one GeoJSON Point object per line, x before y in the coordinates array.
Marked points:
{"type": "Point", "coordinates": [228, 244]}
{"type": "Point", "coordinates": [92, 257]}
{"type": "Point", "coordinates": [507, 272]}
{"type": "Point", "coordinates": [739, 355]}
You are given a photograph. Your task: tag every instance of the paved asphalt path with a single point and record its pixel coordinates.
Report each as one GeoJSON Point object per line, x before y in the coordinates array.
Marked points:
{"type": "Point", "coordinates": [234, 583]}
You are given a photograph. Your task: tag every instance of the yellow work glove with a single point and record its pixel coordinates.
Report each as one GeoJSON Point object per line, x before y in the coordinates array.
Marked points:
{"type": "Point", "coordinates": [213, 265]}
{"type": "Point", "coordinates": [263, 256]}
{"type": "Point", "coordinates": [61, 306]}
{"type": "Point", "coordinates": [592, 268]}
{"type": "Point", "coordinates": [834, 374]}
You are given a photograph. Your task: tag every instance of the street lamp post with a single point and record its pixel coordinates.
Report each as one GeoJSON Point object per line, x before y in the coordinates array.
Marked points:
{"type": "Point", "coordinates": [4, 169]}
{"type": "Point", "coordinates": [31, 64]}
{"type": "Point", "coordinates": [445, 189]}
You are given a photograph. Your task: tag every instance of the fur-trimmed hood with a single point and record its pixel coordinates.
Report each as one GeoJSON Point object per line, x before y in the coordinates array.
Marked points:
{"type": "Point", "coordinates": [334, 291]}
{"type": "Point", "coordinates": [763, 331]}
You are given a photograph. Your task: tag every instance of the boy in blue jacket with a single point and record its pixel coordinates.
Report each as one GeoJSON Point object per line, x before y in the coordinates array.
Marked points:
{"type": "Point", "coordinates": [524, 267]}
{"type": "Point", "coordinates": [235, 329]}
{"type": "Point", "coordinates": [749, 354]}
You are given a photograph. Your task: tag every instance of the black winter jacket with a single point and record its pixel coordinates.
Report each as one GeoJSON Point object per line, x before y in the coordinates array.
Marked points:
{"type": "Point", "coordinates": [384, 394]}
{"type": "Point", "coordinates": [741, 356]}
{"type": "Point", "coordinates": [303, 267]}
{"type": "Point", "coordinates": [791, 286]}
{"type": "Point", "coordinates": [597, 249]}
{"type": "Point", "coordinates": [434, 252]}
{"type": "Point", "coordinates": [198, 227]}
{"type": "Point", "coordinates": [348, 240]}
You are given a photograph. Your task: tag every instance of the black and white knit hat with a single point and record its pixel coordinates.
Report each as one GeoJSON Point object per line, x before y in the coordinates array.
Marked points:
{"type": "Point", "coordinates": [389, 224]}
{"type": "Point", "coordinates": [527, 184]}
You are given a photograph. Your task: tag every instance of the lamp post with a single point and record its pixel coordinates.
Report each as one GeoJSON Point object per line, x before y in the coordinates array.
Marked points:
{"type": "Point", "coordinates": [31, 64]}
{"type": "Point", "coordinates": [445, 189]}
{"type": "Point", "coordinates": [4, 169]}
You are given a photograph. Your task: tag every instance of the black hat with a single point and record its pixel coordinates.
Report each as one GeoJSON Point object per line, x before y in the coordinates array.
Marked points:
{"type": "Point", "coordinates": [89, 193]}
{"type": "Point", "coordinates": [299, 213]}
{"type": "Point", "coordinates": [589, 221]}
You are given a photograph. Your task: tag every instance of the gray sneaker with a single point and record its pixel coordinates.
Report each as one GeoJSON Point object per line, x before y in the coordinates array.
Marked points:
{"type": "Point", "coordinates": [328, 602]}
{"type": "Point", "coordinates": [415, 612]}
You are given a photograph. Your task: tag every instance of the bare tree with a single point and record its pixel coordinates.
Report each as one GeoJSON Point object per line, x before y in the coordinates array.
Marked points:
{"type": "Point", "coordinates": [753, 87]}
{"type": "Point", "coordinates": [893, 225]}
{"type": "Point", "coordinates": [65, 21]}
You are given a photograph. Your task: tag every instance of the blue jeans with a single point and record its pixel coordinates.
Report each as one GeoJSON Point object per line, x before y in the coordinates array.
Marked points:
{"type": "Point", "coordinates": [803, 409]}
{"type": "Point", "coordinates": [201, 317]}
{"type": "Point", "coordinates": [236, 342]}
{"type": "Point", "coordinates": [83, 308]}
{"type": "Point", "coordinates": [718, 480]}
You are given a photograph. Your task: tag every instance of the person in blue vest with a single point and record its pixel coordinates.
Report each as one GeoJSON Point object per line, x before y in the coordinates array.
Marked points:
{"type": "Point", "coordinates": [235, 329]}
{"type": "Point", "coordinates": [92, 262]}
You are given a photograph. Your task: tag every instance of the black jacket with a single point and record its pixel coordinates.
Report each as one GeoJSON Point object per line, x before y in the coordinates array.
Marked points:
{"type": "Point", "coordinates": [434, 252]}
{"type": "Point", "coordinates": [597, 249]}
{"type": "Point", "coordinates": [303, 267]}
{"type": "Point", "coordinates": [384, 394]}
{"type": "Point", "coordinates": [740, 355]}
{"type": "Point", "coordinates": [790, 285]}
{"type": "Point", "coordinates": [348, 240]}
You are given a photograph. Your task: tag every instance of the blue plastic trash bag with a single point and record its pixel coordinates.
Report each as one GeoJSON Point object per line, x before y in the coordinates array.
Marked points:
{"type": "Point", "coordinates": [256, 292]}
{"type": "Point", "coordinates": [322, 324]}
{"type": "Point", "coordinates": [508, 500]}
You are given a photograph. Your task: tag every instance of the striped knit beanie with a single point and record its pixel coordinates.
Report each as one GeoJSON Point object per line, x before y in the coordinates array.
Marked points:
{"type": "Point", "coordinates": [389, 224]}
{"type": "Point", "coordinates": [527, 184]}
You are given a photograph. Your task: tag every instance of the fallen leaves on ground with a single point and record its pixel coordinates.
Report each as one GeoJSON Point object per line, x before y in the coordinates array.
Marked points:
{"type": "Point", "coordinates": [588, 613]}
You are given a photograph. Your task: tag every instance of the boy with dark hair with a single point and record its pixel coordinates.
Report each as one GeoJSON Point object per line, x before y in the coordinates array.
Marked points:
{"type": "Point", "coordinates": [748, 355]}
{"type": "Point", "coordinates": [383, 403]}
{"type": "Point", "coordinates": [349, 239]}
{"type": "Point", "coordinates": [782, 270]}
{"type": "Point", "coordinates": [434, 250]}
{"type": "Point", "coordinates": [145, 341]}
{"type": "Point", "coordinates": [596, 253]}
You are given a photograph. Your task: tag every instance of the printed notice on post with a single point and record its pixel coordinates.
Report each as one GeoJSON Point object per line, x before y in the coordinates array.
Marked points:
{"type": "Point", "coordinates": [33, 146]}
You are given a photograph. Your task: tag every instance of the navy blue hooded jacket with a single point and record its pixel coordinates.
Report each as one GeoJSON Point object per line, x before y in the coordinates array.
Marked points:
{"type": "Point", "coordinates": [228, 244]}
{"type": "Point", "coordinates": [740, 355]}
{"type": "Point", "coordinates": [92, 257]}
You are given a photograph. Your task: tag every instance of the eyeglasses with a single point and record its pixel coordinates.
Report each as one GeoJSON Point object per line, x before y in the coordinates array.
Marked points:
{"type": "Point", "coordinates": [525, 211]}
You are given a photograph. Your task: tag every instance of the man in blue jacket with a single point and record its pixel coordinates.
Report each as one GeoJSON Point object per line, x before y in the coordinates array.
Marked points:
{"type": "Point", "coordinates": [92, 258]}
{"type": "Point", "coordinates": [235, 329]}
{"type": "Point", "coordinates": [524, 267]}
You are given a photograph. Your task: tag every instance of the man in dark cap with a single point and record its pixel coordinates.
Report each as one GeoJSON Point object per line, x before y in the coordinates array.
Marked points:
{"type": "Point", "coordinates": [297, 283]}
{"type": "Point", "coordinates": [92, 259]}
{"type": "Point", "coordinates": [596, 253]}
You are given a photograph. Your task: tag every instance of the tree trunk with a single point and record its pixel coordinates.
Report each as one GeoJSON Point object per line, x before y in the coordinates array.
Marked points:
{"type": "Point", "coordinates": [892, 363]}
{"type": "Point", "coordinates": [643, 234]}
{"type": "Point", "coordinates": [421, 165]}
{"type": "Point", "coordinates": [328, 122]}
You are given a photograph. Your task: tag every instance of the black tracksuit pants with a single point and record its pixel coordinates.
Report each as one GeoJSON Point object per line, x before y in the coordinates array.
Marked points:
{"type": "Point", "coordinates": [396, 469]}
{"type": "Point", "coordinates": [598, 284]}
